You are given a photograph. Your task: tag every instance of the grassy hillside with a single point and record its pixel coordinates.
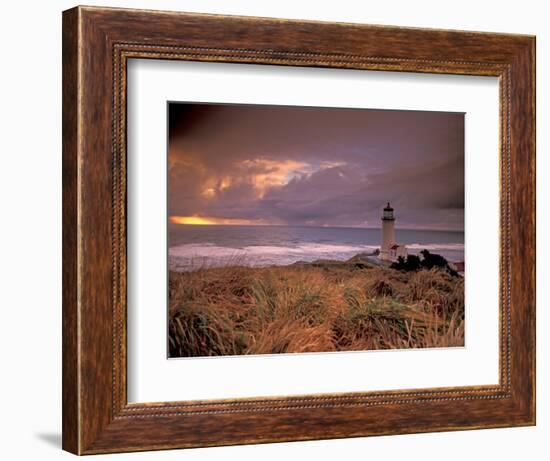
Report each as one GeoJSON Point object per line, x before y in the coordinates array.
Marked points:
{"type": "Point", "coordinates": [319, 307]}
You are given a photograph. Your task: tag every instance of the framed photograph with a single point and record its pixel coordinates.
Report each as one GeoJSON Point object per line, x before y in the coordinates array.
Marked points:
{"type": "Point", "coordinates": [279, 240]}
{"type": "Point", "coordinates": [280, 230]}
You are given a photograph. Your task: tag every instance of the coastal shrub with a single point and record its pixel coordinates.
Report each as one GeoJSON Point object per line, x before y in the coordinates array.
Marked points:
{"type": "Point", "coordinates": [429, 260]}
{"type": "Point", "coordinates": [413, 263]}
{"type": "Point", "coordinates": [408, 264]}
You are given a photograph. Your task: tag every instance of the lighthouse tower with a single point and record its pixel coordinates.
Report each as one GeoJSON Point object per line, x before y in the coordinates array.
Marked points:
{"type": "Point", "coordinates": [389, 250]}
{"type": "Point", "coordinates": [388, 232]}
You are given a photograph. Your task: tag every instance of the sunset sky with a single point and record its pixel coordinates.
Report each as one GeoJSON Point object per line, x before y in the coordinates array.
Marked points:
{"type": "Point", "coordinates": [246, 164]}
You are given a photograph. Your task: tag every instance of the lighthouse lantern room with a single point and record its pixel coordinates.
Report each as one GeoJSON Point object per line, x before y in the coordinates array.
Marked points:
{"type": "Point", "coordinates": [388, 213]}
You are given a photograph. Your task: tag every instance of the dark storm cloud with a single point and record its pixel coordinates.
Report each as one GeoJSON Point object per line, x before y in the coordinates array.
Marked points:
{"type": "Point", "coordinates": [315, 166]}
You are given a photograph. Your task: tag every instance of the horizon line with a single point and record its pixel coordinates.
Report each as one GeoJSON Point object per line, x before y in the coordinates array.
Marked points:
{"type": "Point", "coordinates": [313, 226]}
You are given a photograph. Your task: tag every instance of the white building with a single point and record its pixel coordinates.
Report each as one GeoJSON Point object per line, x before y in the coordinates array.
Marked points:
{"type": "Point", "coordinates": [390, 250]}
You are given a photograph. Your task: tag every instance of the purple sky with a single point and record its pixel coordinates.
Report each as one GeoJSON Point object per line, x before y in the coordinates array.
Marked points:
{"type": "Point", "coordinates": [238, 164]}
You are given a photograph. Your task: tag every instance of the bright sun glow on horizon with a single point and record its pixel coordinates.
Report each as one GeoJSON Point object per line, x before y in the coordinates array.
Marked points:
{"type": "Point", "coordinates": [210, 221]}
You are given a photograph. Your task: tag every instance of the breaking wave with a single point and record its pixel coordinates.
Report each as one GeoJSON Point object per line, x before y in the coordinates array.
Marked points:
{"type": "Point", "coordinates": [194, 256]}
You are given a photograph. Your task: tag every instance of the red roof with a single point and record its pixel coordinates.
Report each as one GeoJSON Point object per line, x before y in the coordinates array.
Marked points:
{"type": "Point", "coordinates": [395, 246]}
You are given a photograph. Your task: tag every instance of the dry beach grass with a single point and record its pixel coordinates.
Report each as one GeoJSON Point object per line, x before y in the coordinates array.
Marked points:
{"type": "Point", "coordinates": [319, 307]}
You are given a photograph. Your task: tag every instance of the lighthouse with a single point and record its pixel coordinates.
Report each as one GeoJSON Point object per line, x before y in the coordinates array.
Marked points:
{"type": "Point", "coordinates": [390, 250]}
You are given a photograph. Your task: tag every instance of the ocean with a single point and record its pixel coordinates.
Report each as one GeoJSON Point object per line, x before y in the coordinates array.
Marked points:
{"type": "Point", "coordinates": [197, 246]}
